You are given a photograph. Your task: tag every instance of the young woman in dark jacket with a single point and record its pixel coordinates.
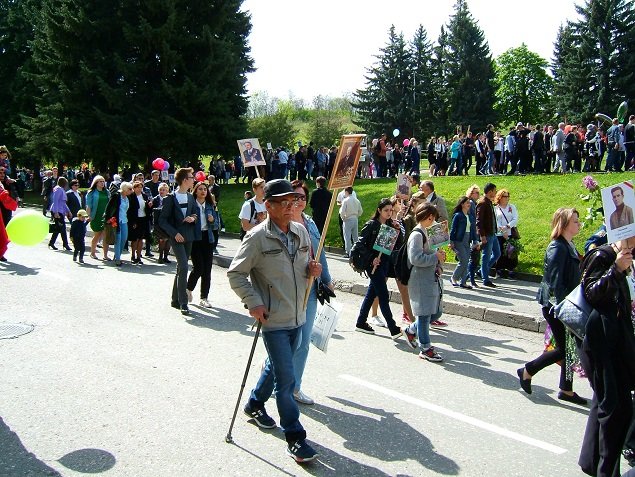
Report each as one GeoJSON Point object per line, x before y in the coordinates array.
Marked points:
{"type": "Point", "coordinates": [377, 271]}
{"type": "Point", "coordinates": [561, 275]}
{"type": "Point", "coordinates": [607, 354]}
{"type": "Point", "coordinates": [462, 236]}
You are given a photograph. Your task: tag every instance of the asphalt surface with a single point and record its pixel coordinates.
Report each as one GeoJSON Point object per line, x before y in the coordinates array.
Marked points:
{"type": "Point", "coordinates": [114, 381]}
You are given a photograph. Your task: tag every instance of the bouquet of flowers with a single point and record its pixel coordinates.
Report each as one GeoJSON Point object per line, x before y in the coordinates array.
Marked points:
{"type": "Point", "coordinates": [113, 222]}
{"type": "Point", "coordinates": [512, 248]}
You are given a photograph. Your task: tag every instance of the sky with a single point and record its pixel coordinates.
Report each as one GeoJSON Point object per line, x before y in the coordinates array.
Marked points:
{"type": "Point", "coordinates": [308, 48]}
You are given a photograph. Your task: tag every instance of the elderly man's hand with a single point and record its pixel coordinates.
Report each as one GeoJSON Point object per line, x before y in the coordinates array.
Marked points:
{"type": "Point", "coordinates": [259, 313]}
{"type": "Point", "coordinates": [315, 268]}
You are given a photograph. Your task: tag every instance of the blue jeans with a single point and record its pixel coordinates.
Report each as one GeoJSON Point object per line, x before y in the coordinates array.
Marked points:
{"type": "Point", "coordinates": [304, 342]}
{"type": "Point", "coordinates": [491, 252]}
{"type": "Point", "coordinates": [455, 161]}
{"type": "Point", "coordinates": [278, 371]}
{"type": "Point", "coordinates": [490, 162]}
{"type": "Point", "coordinates": [422, 328]}
{"type": "Point", "coordinates": [377, 288]}
{"type": "Point", "coordinates": [462, 249]}
{"type": "Point", "coordinates": [120, 239]}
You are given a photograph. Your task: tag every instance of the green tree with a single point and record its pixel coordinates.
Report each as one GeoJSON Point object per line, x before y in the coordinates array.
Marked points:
{"type": "Point", "coordinates": [276, 128]}
{"type": "Point", "coordinates": [127, 81]}
{"type": "Point", "coordinates": [327, 123]}
{"type": "Point", "coordinates": [523, 86]}
{"type": "Point", "coordinates": [383, 104]}
{"type": "Point", "coordinates": [424, 90]}
{"type": "Point", "coordinates": [468, 72]}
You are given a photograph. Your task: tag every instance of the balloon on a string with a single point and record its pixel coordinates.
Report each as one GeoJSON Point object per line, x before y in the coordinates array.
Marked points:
{"type": "Point", "coordinates": [395, 132]}
{"type": "Point", "coordinates": [406, 142]}
{"type": "Point", "coordinates": [200, 176]}
{"type": "Point", "coordinates": [28, 228]}
{"type": "Point", "coordinates": [158, 164]}
{"type": "Point", "coordinates": [166, 165]}
{"type": "Point", "coordinates": [621, 111]}
{"type": "Point", "coordinates": [603, 117]}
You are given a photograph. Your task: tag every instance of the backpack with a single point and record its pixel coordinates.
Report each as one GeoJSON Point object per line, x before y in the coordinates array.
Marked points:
{"type": "Point", "coordinates": [251, 217]}
{"type": "Point", "coordinates": [360, 257]}
{"type": "Point", "coordinates": [402, 268]}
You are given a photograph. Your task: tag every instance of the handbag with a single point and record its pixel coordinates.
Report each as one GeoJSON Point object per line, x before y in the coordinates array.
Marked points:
{"type": "Point", "coordinates": [574, 312]}
{"type": "Point", "coordinates": [55, 226]}
{"type": "Point", "coordinates": [514, 230]}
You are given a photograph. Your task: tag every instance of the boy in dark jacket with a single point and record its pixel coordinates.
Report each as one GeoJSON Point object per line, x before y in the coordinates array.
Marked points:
{"type": "Point", "coordinates": [78, 234]}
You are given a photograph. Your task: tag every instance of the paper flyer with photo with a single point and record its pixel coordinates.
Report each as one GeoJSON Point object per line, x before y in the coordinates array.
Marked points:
{"type": "Point", "coordinates": [403, 187]}
{"type": "Point", "coordinates": [251, 153]}
{"type": "Point", "coordinates": [438, 235]}
{"type": "Point", "coordinates": [386, 239]}
{"type": "Point", "coordinates": [618, 202]}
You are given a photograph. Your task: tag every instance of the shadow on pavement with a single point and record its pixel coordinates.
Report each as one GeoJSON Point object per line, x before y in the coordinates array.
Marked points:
{"type": "Point", "coordinates": [219, 319]}
{"type": "Point", "coordinates": [88, 461]}
{"type": "Point", "coordinates": [371, 436]}
{"type": "Point", "coordinates": [17, 269]}
{"type": "Point", "coordinates": [15, 459]}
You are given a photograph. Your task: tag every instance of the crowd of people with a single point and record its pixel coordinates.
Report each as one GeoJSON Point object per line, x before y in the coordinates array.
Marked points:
{"type": "Point", "coordinates": [276, 268]}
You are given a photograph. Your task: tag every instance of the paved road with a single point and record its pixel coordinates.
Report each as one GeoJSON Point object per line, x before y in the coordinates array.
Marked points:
{"type": "Point", "coordinates": [113, 380]}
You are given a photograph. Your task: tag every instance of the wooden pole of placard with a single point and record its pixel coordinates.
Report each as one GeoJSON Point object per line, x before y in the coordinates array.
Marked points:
{"type": "Point", "coordinates": [318, 252]}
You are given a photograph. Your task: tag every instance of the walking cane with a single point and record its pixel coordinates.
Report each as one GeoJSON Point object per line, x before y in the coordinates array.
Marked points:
{"type": "Point", "coordinates": [228, 437]}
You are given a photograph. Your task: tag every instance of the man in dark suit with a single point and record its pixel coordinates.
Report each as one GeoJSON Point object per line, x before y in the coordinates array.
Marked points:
{"type": "Point", "coordinates": [320, 202]}
{"type": "Point", "coordinates": [74, 199]}
{"type": "Point", "coordinates": [251, 154]}
{"type": "Point", "coordinates": [486, 229]}
{"type": "Point", "coordinates": [538, 147]}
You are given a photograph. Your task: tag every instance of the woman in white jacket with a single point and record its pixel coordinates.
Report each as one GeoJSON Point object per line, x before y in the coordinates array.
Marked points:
{"type": "Point", "coordinates": [506, 219]}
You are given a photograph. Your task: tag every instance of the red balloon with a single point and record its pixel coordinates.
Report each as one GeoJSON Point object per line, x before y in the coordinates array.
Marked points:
{"type": "Point", "coordinates": [158, 164]}
{"type": "Point", "coordinates": [200, 176]}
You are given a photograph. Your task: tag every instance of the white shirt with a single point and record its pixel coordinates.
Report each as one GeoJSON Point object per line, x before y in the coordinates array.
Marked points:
{"type": "Point", "coordinates": [245, 210]}
{"type": "Point", "coordinates": [351, 207]}
{"type": "Point", "coordinates": [202, 216]}
{"type": "Point", "coordinates": [142, 206]}
{"type": "Point", "coordinates": [510, 214]}
{"type": "Point", "coordinates": [340, 196]}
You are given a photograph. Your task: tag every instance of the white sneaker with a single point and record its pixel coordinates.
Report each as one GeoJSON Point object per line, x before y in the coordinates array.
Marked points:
{"type": "Point", "coordinates": [303, 398]}
{"type": "Point", "coordinates": [378, 321]}
{"type": "Point", "coordinates": [204, 303]}
{"type": "Point", "coordinates": [189, 296]}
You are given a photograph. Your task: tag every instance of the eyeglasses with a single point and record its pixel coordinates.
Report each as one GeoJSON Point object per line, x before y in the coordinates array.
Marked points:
{"type": "Point", "coordinates": [301, 198]}
{"type": "Point", "coordinates": [286, 204]}
{"type": "Point", "coordinates": [506, 195]}
{"type": "Point", "coordinates": [190, 178]}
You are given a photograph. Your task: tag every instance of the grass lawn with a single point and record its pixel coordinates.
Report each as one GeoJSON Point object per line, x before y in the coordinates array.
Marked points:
{"type": "Point", "coordinates": [535, 197]}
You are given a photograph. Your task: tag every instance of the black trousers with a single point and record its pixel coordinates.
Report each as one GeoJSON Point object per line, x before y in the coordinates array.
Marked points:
{"type": "Point", "coordinates": [202, 256]}
{"type": "Point", "coordinates": [62, 225]}
{"type": "Point", "coordinates": [555, 355]}
{"type": "Point", "coordinates": [79, 247]}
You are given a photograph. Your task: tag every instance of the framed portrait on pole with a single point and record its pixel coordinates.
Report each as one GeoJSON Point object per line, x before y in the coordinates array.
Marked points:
{"type": "Point", "coordinates": [346, 162]}
{"type": "Point", "coordinates": [251, 152]}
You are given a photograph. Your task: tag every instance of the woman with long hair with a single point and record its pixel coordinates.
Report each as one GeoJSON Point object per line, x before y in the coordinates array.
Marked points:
{"type": "Point", "coordinates": [377, 271]}
{"type": "Point", "coordinates": [203, 248]}
{"type": "Point", "coordinates": [462, 236]}
{"type": "Point", "coordinates": [96, 202]}
{"type": "Point", "coordinates": [560, 277]}
{"type": "Point", "coordinates": [59, 209]}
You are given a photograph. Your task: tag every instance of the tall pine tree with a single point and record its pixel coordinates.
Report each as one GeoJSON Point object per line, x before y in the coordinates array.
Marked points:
{"type": "Point", "coordinates": [424, 92]}
{"type": "Point", "coordinates": [468, 72]}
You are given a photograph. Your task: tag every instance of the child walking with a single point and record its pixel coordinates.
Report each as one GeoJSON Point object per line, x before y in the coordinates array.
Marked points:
{"type": "Point", "coordinates": [78, 234]}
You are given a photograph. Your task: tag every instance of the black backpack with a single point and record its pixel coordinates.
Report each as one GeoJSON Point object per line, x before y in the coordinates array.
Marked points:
{"type": "Point", "coordinates": [402, 268]}
{"type": "Point", "coordinates": [360, 257]}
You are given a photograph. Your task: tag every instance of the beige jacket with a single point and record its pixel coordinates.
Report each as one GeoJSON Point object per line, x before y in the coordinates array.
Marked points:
{"type": "Point", "coordinates": [262, 273]}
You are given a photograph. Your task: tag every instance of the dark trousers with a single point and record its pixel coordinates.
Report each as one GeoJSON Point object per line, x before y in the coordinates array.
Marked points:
{"type": "Point", "coordinates": [539, 160]}
{"type": "Point", "coordinates": [202, 255]}
{"type": "Point", "coordinates": [182, 253]}
{"type": "Point", "coordinates": [79, 247]}
{"type": "Point", "coordinates": [555, 355]}
{"type": "Point", "coordinates": [467, 162]}
{"type": "Point", "coordinates": [377, 289]}
{"type": "Point", "coordinates": [62, 226]}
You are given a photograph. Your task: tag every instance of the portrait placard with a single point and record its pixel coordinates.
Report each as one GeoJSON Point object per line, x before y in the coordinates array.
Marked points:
{"type": "Point", "coordinates": [250, 152]}
{"type": "Point", "coordinates": [403, 187]}
{"type": "Point", "coordinates": [346, 162]}
{"type": "Point", "coordinates": [618, 202]}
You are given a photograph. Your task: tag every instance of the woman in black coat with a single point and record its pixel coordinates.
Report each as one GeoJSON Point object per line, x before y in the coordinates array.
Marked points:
{"type": "Point", "coordinates": [561, 275]}
{"type": "Point", "coordinates": [607, 354]}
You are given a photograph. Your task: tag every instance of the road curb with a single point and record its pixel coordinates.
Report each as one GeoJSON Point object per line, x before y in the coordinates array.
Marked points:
{"type": "Point", "coordinates": [491, 315]}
